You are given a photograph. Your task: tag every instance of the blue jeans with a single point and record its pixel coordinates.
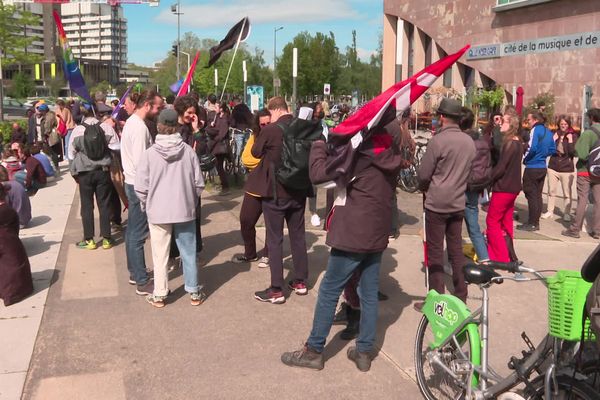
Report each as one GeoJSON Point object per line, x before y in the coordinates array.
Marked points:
{"type": "Point", "coordinates": [21, 176]}
{"type": "Point", "coordinates": [340, 268]}
{"type": "Point", "coordinates": [240, 143]}
{"type": "Point", "coordinates": [66, 143]}
{"type": "Point", "coordinates": [472, 221]}
{"type": "Point", "coordinates": [185, 237]}
{"type": "Point", "coordinates": [135, 237]}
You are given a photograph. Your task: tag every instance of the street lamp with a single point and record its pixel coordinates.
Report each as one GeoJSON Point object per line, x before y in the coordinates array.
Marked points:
{"type": "Point", "coordinates": [275, 83]}
{"type": "Point", "coordinates": [176, 9]}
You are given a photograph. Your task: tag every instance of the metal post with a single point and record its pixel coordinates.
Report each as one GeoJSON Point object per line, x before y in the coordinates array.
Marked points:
{"type": "Point", "coordinates": [1, 91]}
{"type": "Point", "coordinates": [245, 81]}
{"type": "Point", "coordinates": [275, 87]}
{"type": "Point", "coordinates": [188, 62]}
{"type": "Point", "coordinates": [294, 78]}
{"type": "Point", "coordinates": [178, 39]}
{"type": "Point", "coordinates": [216, 81]}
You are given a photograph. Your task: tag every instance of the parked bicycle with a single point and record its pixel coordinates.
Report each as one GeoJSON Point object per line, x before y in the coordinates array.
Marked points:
{"type": "Point", "coordinates": [407, 178]}
{"type": "Point", "coordinates": [452, 343]}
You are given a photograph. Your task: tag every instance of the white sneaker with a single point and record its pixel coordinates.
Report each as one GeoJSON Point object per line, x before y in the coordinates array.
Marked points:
{"type": "Point", "coordinates": [263, 262]}
{"type": "Point", "coordinates": [567, 218]}
{"type": "Point", "coordinates": [546, 215]}
{"type": "Point", "coordinates": [315, 220]}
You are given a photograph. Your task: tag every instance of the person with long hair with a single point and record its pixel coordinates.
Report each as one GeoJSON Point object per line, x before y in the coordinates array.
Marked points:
{"type": "Point", "coordinates": [241, 124]}
{"type": "Point", "coordinates": [218, 133]}
{"type": "Point", "coordinates": [252, 203]}
{"type": "Point", "coordinates": [561, 168]}
{"type": "Point", "coordinates": [506, 185]}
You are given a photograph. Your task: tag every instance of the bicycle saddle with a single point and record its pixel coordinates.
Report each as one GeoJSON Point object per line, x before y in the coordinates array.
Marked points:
{"type": "Point", "coordinates": [479, 274]}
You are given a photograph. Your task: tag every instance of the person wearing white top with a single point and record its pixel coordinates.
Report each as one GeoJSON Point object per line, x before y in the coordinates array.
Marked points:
{"type": "Point", "coordinates": [135, 139]}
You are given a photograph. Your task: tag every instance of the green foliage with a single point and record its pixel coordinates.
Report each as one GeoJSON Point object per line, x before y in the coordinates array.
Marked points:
{"type": "Point", "coordinates": [22, 86]}
{"type": "Point", "coordinates": [55, 85]}
{"type": "Point", "coordinates": [103, 87]}
{"type": "Point", "coordinates": [6, 129]}
{"type": "Point", "coordinates": [545, 100]}
{"type": "Point", "coordinates": [13, 43]}
{"type": "Point", "coordinates": [491, 100]}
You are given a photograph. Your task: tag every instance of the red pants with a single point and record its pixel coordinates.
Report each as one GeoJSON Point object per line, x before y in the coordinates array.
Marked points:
{"type": "Point", "coordinates": [499, 222]}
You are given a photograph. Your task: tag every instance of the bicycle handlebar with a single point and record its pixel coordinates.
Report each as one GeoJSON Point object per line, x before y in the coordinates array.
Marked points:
{"type": "Point", "coordinates": [512, 267]}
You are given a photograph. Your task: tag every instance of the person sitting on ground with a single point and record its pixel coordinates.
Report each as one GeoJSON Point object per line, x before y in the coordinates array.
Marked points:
{"type": "Point", "coordinates": [12, 163]}
{"type": "Point", "coordinates": [17, 198]}
{"type": "Point", "coordinates": [18, 134]}
{"type": "Point", "coordinates": [251, 209]}
{"type": "Point", "coordinates": [168, 183]}
{"type": "Point", "coordinates": [16, 282]}
{"type": "Point", "coordinates": [91, 170]}
{"type": "Point", "coordinates": [44, 159]}
{"type": "Point", "coordinates": [33, 177]}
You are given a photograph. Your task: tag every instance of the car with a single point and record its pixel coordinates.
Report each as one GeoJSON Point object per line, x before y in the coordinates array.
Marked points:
{"type": "Point", "coordinates": [13, 108]}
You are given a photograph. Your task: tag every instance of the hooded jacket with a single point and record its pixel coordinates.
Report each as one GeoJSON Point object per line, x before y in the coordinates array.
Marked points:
{"type": "Point", "coordinates": [168, 181]}
{"type": "Point", "coordinates": [362, 223]}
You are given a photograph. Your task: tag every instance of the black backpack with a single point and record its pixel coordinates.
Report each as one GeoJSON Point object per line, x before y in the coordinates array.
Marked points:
{"type": "Point", "coordinates": [94, 142]}
{"type": "Point", "coordinates": [590, 272]}
{"type": "Point", "coordinates": [593, 161]}
{"type": "Point", "coordinates": [481, 167]}
{"type": "Point", "coordinates": [298, 137]}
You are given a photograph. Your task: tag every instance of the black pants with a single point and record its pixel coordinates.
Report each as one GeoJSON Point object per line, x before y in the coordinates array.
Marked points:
{"type": "Point", "coordinates": [221, 170]}
{"type": "Point", "coordinates": [533, 185]}
{"type": "Point", "coordinates": [115, 205]}
{"type": "Point", "coordinates": [249, 214]}
{"type": "Point", "coordinates": [96, 183]}
{"type": "Point", "coordinates": [292, 212]}
{"type": "Point", "coordinates": [438, 226]}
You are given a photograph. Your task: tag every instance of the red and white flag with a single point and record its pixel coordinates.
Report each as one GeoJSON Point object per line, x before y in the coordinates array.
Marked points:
{"type": "Point", "coordinates": [403, 93]}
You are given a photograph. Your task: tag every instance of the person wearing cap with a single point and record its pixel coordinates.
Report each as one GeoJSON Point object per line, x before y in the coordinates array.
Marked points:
{"type": "Point", "coordinates": [93, 177]}
{"type": "Point", "coordinates": [168, 183]}
{"type": "Point", "coordinates": [443, 175]}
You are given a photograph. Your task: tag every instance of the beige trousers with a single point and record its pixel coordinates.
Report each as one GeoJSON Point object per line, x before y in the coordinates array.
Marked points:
{"type": "Point", "coordinates": [566, 181]}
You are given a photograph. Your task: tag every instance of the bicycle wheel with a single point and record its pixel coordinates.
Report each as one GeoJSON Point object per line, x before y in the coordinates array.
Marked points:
{"type": "Point", "coordinates": [407, 179]}
{"type": "Point", "coordinates": [568, 389]}
{"type": "Point", "coordinates": [434, 382]}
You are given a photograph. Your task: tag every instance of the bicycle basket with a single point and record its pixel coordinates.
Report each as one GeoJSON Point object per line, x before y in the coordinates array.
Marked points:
{"type": "Point", "coordinates": [207, 162]}
{"type": "Point", "coordinates": [567, 292]}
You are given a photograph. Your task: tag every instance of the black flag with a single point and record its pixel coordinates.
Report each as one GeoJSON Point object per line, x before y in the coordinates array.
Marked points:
{"type": "Point", "coordinates": [230, 40]}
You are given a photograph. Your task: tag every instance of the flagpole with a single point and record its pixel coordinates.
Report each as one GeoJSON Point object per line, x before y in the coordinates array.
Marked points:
{"type": "Point", "coordinates": [237, 44]}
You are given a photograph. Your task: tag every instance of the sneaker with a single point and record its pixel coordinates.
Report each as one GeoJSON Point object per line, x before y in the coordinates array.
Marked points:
{"type": "Point", "coordinates": [595, 235]}
{"type": "Point", "coordinates": [87, 244]}
{"type": "Point", "coordinates": [298, 286]}
{"type": "Point", "coordinates": [270, 295]}
{"type": "Point", "coordinates": [315, 220]}
{"type": "Point", "coordinates": [570, 233]}
{"type": "Point", "coordinates": [263, 262]}
{"type": "Point", "coordinates": [150, 273]}
{"type": "Point", "coordinates": [145, 289]}
{"type": "Point", "coordinates": [240, 258]}
{"type": "Point", "coordinates": [107, 244]}
{"type": "Point", "coordinates": [131, 281]}
{"type": "Point", "coordinates": [528, 227]}
{"type": "Point", "coordinates": [546, 215]}
{"type": "Point", "coordinates": [304, 358]}
{"type": "Point", "coordinates": [362, 360]}
{"type": "Point", "coordinates": [116, 226]}
{"type": "Point", "coordinates": [156, 301]}
{"type": "Point", "coordinates": [197, 298]}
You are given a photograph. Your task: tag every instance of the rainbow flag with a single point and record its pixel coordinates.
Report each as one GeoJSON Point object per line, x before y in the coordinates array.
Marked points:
{"type": "Point", "coordinates": [183, 86]}
{"type": "Point", "coordinates": [70, 67]}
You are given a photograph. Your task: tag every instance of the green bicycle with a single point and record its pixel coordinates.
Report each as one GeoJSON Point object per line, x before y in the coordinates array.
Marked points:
{"type": "Point", "coordinates": [451, 346]}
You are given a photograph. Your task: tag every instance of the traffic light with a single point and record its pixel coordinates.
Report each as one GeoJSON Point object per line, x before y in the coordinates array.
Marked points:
{"type": "Point", "coordinates": [175, 50]}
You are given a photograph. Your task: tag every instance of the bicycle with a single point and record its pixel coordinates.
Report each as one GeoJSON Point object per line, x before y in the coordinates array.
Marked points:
{"type": "Point", "coordinates": [407, 177]}
{"type": "Point", "coordinates": [451, 348]}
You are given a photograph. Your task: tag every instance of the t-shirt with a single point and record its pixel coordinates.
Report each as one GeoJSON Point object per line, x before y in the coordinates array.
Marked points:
{"type": "Point", "coordinates": [134, 141]}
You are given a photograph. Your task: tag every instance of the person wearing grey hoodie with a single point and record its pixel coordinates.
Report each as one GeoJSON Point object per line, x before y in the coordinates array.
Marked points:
{"type": "Point", "coordinates": [168, 183]}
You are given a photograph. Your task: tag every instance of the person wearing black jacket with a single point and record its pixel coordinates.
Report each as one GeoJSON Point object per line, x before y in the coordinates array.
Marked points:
{"type": "Point", "coordinates": [218, 134]}
{"type": "Point", "coordinates": [561, 168]}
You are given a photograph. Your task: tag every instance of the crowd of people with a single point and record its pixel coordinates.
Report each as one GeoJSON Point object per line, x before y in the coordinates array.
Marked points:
{"type": "Point", "coordinates": [148, 156]}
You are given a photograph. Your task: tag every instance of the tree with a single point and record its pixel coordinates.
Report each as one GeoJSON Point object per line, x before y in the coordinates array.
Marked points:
{"type": "Point", "coordinates": [22, 86]}
{"type": "Point", "coordinates": [13, 43]}
{"type": "Point", "coordinates": [103, 87]}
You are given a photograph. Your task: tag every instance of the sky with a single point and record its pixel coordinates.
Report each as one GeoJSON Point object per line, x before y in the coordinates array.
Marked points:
{"type": "Point", "coordinates": [153, 30]}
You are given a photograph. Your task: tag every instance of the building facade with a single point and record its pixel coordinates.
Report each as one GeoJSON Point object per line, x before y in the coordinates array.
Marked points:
{"type": "Point", "coordinates": [541, 45]}
{"type": "Point", "coordinates": [97, 35]}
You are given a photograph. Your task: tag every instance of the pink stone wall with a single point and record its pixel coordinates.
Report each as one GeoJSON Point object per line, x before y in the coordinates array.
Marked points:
{"type": "Point", "coordinates": [452, 24]}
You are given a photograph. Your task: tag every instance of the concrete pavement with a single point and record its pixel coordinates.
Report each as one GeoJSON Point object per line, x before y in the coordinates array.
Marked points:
{"type": "Point", "coordinates": [99, 340]}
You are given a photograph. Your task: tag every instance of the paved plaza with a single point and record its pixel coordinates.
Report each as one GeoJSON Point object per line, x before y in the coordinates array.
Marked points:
{"type": "Point", "coordinates": [86, 334]}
